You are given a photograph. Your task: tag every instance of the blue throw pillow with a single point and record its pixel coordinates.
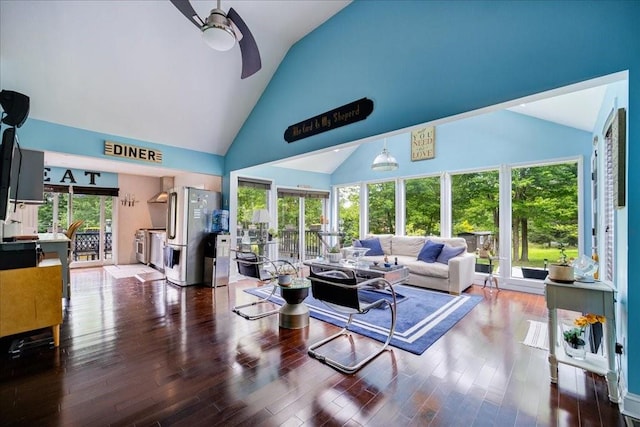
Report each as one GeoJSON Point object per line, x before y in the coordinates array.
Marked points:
{"type": "Point", "coordinates": [449, 252]}
{"type": "Point", "coordinates": [430, 251]}
{"type": "Point", "coordinates": [373, 245]}
{"type": "Point", "coordinates": [356, 243]}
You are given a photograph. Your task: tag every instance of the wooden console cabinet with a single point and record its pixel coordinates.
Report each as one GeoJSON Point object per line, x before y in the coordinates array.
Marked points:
{"type": "Point", "coordinates": [31, 298]}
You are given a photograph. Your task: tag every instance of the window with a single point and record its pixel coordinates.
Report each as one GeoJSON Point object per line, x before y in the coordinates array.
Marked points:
{"type": "Point", "coordinates": [252, 194]}
{"type": "Point", "coordinates": [349, 212]}
{"type": "Point", "coordinates": [475, 210]}
{"type": "Point", "coordinates": [544, 206]}
{"type": "Point", "coordinates": [381, 197]}
{"type": "Point", "coordinates": [422, 206]}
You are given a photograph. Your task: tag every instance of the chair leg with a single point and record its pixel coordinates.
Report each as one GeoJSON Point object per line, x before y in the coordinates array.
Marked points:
{"type": "Point", "coordinates": [350, 369]}
{"type": "Point", "coordinates": [237, 309]}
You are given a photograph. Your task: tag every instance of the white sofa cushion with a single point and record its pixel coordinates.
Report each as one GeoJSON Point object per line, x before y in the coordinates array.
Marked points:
{"type": "Point", "coordinates": [451, 241]}
{"type": "Point", "coordinates": [407, 245]}
{"type": "Point", "coordinates": [433, 269]}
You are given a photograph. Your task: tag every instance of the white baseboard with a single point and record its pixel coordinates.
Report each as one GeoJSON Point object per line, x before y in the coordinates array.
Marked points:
{"type": "Point", "coordinates": [629, 403]}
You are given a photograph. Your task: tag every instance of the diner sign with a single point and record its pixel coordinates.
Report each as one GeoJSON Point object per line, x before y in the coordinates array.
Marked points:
{"type": "Point", "coordinates": [341, 116]}
{"type": "Point", "coordinates": [134, 152]}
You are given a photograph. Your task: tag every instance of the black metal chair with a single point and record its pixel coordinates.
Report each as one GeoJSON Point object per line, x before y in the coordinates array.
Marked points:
{"type": "Point", "coordinates": [250, 264]}
{"type": "Point", "coordinates": [341, 292]}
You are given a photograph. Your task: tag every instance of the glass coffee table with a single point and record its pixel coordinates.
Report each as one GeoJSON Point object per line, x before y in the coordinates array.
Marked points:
{"type": "Point", "coordinates": [394, 274]}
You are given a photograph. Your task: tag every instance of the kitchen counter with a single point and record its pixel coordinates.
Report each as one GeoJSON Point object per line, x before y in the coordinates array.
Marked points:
{"type": "Point", "coordinates": [59, 244]}
{"type": "Point", "coordinates": [52, 237]}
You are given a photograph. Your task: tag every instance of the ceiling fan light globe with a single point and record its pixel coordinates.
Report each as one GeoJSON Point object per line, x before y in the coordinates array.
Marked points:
{"type": "Point", "coordinates": [220, 38]}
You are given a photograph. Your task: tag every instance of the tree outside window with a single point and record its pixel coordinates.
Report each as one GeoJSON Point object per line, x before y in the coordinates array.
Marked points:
{"type": "Point", "coordinates": [422, 210]}
{"type": "Point", "coordinates": [382, 207]}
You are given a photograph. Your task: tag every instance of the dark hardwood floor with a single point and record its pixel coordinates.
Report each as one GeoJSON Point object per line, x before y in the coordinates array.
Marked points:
{"type": "Point", "coordinates": [136, 353]}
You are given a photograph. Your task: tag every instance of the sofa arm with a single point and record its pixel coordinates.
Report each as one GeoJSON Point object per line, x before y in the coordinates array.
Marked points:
{"type": "Point", "coordinates": [461, 272]}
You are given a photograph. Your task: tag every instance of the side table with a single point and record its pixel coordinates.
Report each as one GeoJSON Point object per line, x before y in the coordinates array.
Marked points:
{"type": "Point", "coordinates": [597, 298]}
{"type": "Point", "coordinates": [294, 313]}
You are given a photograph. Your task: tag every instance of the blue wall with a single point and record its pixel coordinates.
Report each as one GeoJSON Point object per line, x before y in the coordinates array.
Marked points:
{"type": "Point", "coordinates": [445, 58]}
{"type": "Point", "coordinates": [477, 142]}
{"type": "Point", "coordinates": [290, 177]}
{"type": "Point", "coordinates": [441, 59]}
{"type": "Point", "coordinates": [484, 141]}
{"type": "Point", "coordinates": [45, 136]}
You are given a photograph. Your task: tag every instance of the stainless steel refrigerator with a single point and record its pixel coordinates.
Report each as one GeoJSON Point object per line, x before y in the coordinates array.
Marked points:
{"type": "Point", "coordinates": [189, 216]}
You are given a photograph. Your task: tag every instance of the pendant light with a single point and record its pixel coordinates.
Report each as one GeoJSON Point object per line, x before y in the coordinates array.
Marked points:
{"type": "Point", "coordinates": [384, 161]}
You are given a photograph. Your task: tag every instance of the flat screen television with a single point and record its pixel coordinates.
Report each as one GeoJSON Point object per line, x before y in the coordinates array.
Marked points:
{"type": "Point", "coordinates": [6, 162]}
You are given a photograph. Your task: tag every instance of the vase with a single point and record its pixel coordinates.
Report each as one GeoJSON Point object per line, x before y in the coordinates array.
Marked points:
{"type": "Point", "coordinates": [575, 351]}
{"type": "Point", "coordinates": [561, 273]}
{"type": "Point", "coordinates": [284, 279]}
{"type": "Point", "coordinates": [334, 257]}
{"type": "Point", "coordinates": [575, 348]}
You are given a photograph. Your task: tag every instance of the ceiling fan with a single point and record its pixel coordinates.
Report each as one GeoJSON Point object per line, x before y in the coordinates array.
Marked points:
{"type": "Point", "coordinates": [221, 31]}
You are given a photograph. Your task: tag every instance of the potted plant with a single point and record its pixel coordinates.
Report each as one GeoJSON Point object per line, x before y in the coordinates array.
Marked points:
{"type": "Point", "coordinates": [562, 271]}
{"type": "Point", "coordinates": [573, 334]}
{"type": "Point", "coordinates": [285, 274]}
{"type": "Point", "coordinates": [334, 254]}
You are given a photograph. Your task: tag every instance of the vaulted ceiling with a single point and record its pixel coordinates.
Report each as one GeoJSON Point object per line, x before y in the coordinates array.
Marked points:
{"type": "Point", "coordinates": [140, 69]}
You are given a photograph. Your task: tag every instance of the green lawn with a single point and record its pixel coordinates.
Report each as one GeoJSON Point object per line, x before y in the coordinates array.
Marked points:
{"type": "Point", "coordinates": [537, 255]}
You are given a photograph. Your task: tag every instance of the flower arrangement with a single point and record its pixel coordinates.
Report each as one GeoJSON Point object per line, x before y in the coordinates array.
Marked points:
{"type": "Point", "coordinates": [287, 269]}
{"type": "Point", "coordinates": [334, 249]}
{"type": "Point", "coordinates": [573, 336]}
{"type": "Point", "coordinates": [334, 253]}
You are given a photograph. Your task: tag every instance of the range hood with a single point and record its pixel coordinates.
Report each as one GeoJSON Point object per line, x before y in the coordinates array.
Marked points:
{"type": "Point", "coordinates": [166, 183]}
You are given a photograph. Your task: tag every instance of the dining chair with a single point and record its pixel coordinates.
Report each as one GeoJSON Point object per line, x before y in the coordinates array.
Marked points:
{"type": "Point", "coordinates": [341, 292]}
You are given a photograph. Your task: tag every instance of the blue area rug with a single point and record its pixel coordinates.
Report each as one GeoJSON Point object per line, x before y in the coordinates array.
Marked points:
{"type": "Point", "coordinates": [422, 318]}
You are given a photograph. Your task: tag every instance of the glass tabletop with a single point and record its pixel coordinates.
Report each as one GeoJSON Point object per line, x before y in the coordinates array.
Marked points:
{"type": "Point", "coordinates": [297, 283]}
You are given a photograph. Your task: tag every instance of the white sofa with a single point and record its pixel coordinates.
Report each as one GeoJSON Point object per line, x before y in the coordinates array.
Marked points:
{"type": "Point", "coordinates": [454, 277]}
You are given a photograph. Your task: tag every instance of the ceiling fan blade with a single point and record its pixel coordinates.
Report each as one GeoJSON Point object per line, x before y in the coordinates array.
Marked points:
{"type": "Point", "coordinates": [251, 62]}
{"type": "Point", "coordinates": [187, 10]}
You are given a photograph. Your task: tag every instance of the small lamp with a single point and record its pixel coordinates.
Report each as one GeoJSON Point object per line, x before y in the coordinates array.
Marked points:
{"type": "Point", "coordinates": [261, 217]}
{"type": "Point", "coordinates": [384, 161]}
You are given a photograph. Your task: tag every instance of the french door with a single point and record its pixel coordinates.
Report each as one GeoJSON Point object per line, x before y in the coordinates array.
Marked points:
{"type": "Point", "coordinates": [93, 242]}
{"type": "Point", "coordinates": [302, 214]}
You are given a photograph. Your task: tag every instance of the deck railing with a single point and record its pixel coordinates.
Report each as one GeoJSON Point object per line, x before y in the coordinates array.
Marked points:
{"type": "Point", "coordinates": [86, 245]}
{"type": "Point", "coordinates": [288, 244]}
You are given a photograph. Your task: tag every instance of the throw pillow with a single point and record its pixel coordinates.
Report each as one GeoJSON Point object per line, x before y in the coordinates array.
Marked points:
{"type": "Point", "coordinates": [356, 243]}
{"type": "Point", "coordinates": [430, 251]}
{"type": "Point", "coordinates": [374, 246]}
{"type": "Point", "coordinates": [449, 252]}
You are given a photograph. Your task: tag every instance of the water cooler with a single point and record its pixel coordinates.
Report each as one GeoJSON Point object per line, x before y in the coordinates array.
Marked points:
{"type": "Point", "coordinates": [216, 259]}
